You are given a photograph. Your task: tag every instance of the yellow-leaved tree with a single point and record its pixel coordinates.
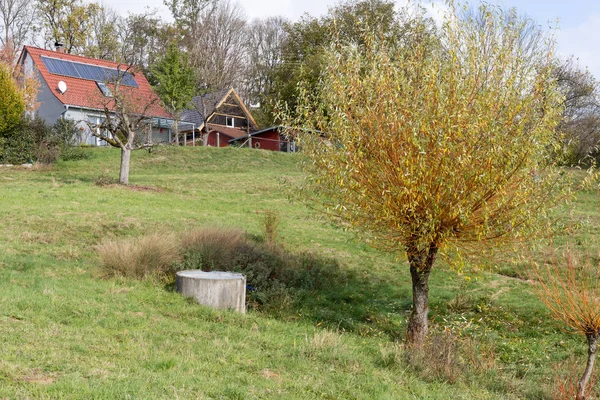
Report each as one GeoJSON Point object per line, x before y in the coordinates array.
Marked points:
{"type": "Point", "coordinates": [12, 102]}
{"type": "Point", "coordinates": [441, 140]}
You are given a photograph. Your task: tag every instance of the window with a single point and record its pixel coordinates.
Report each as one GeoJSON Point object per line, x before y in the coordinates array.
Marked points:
{"type": "Point", "coordinates": [104, 89]}
{"type": "Point", "coordinates": [229, 121]}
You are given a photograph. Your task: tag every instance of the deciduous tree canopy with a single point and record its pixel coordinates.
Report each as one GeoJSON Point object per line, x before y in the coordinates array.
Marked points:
{"type": "Point", "coordinates": [12, 103]}
{"type": "Point", "coordinates": [435, 142]}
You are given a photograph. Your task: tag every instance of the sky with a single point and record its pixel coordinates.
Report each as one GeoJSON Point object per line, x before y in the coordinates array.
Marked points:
{"type": "Point", "coordinates": [578, 21]}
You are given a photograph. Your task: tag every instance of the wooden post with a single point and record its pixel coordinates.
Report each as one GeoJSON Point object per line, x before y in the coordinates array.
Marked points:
{"type": "Point", "coordinates": [248, 132]}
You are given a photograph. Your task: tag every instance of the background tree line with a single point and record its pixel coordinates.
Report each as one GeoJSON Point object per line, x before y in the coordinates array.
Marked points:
{"type": "Point", "coordinates": [263, 59]}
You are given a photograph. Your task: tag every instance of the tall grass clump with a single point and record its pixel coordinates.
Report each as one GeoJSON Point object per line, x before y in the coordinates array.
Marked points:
{"type": "Point", "coordinates": [450, 358]}
{"type": "Point", "coordinates": [270, 225]}
{"type": "Point", "coordinates": [149, 256]}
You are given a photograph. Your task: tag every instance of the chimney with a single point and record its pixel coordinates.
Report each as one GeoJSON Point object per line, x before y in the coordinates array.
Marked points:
{"type": "Point", "coordinates": [59, 47]}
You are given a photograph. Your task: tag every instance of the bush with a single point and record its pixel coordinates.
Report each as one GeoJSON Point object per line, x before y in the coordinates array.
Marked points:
{"type": "Point", "coordinates": [33, 140]}
{"type": "Point", "coordinates": [147, 257]}
{"type": "Point", "coordinates": [272, 274]}
{"type": "Point", "coordinates": [105, 180]}
{"type": "Point", "coordinates": [24, 143]}
{"type": "Point", "coordinates": [566, 379]}
{"type": "Point", "coordinates": [65, 132]}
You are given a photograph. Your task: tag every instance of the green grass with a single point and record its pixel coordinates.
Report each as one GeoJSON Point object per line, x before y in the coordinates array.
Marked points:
{"type": "Point", "coordinates": [66, 332]}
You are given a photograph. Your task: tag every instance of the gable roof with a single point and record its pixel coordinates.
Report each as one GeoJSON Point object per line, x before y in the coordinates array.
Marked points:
{"type": "Point", "coordinates": [206, 104]}
{"type": "Point", "coordinates": [86, 93]}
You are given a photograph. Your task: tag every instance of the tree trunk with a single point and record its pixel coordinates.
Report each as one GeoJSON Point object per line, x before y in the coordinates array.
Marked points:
{"type": "Point", "coordinates": [592, 339]}
{"type": "Point", "coordinates": [176, 132]}
{"type": "Point", "coordinates": [125, 158]}
{"type": "Point", "coordinates": [421, 262]}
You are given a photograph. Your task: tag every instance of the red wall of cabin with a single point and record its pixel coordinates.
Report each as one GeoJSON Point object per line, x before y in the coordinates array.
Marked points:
{"type": "Point", "coordinates": [267, 141]}
{"type": "Point", "coordinates": [223, 139]}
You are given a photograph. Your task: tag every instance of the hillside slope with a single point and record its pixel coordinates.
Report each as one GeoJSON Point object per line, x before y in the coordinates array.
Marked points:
{"type": "Point", "coordinates": [67, 332]}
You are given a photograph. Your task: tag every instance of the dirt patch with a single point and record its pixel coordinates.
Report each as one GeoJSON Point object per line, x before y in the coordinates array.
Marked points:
{"type": "Point", "coordinates": [135, 188]}
{"type": "Point", "coordinates": [38, 377]}
{"type": "Point", "coordinates": [268, 374]}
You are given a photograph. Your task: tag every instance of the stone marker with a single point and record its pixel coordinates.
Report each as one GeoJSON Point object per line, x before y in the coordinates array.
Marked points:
{"type": "Point", "coordinates": [215, 289]}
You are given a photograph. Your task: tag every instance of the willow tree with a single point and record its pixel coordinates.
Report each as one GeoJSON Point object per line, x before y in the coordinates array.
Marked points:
{"type": "Point", "coordinates": [439, 141]}
{"type": "Point", "coordinates": [571, 291]}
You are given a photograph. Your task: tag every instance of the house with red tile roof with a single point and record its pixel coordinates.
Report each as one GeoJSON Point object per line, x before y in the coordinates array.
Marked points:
{"type": "Point", "coordinates": [78, 88]}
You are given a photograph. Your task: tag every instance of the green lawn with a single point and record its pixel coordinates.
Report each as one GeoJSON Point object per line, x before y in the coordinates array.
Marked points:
{"type": "Point", "coordinates": [67, 332]}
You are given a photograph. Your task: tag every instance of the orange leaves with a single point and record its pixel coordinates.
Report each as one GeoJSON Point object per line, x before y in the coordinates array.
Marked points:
{"type": "Point", "coordinates": [570, 288]}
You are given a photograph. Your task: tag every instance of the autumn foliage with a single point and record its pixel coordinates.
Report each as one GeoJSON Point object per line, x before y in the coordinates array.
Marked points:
{"type": "Point", "coordinates": [570, 289]}
{"type": "Point", "coordinates": [436, 140]}
{"type": "Point", "coordinates": [12, 103]}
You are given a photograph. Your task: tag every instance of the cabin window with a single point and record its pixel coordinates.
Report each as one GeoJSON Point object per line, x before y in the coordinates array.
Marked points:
{"type": "Point", "coordinates": [229, 121]}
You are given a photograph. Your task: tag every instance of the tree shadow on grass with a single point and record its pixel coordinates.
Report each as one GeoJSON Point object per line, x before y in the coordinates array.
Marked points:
{"type": "Point", "coordinates": [301, 285]}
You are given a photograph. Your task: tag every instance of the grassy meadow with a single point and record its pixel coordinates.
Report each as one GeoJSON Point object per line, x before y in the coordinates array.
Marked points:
{"type": "Point", "coordinates": [69, 332]}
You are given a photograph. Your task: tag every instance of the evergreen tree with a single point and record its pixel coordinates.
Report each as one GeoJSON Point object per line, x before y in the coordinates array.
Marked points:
{"type": "Point", "coordinates": [175, 82]}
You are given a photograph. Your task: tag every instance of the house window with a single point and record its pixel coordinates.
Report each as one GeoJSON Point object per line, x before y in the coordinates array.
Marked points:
{"type": "Point", "coordinates": [229, 121]}
{"type": "Point", "coordinates": [104, 89]}
{"type": "Point", "coordinates": [94, 125]}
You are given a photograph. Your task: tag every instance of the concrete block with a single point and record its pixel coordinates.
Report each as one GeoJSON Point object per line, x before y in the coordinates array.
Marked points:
{"type": "Point", "coordinates": [216, 289]}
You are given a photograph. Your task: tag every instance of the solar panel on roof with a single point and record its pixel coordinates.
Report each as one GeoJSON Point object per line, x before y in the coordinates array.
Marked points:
{"type": "Point", "coordinates": [87, 71]}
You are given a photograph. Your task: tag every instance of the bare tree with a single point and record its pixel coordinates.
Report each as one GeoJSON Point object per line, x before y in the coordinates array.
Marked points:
{"type": "Point", "coordinates": [581, 116]}
{"type": "Point", "coordinates": [126, 113]}
{"type": "Point", "coordinates": [17, 24]}
{"type": "Point", "coordinates": [218, 52]}
{"type": "Point", "coordinates": [265, 43]}
{"type": "Point", "coordinates": [103, 38]}
{"type": "Point", "coordinates": [143, 39]}
{"type": "Point", "coordinates": [188, 16]}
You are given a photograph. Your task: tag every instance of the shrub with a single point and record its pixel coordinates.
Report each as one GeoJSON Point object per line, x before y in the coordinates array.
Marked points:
{"type": "Point", "coordinates": [23, 143]}
{"type": "Point", "coordinates": [105, 180]}
{"type": "Point", "coordinates": [65, 132]}
{"type": "Point", "coordinates": [48, 152]}
{"type": "Point", "coordinates": [566, 381]}
{"type": "Point", "coordinates": [273, 275]}
{"type": "Point", "coordinates": [149, 256]}
{"type": "Point", "coordinates": [12, 103]}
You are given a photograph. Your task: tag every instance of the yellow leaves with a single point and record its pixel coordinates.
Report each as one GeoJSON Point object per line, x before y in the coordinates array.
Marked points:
{"type": "Point", "coordinates": [429, 146]}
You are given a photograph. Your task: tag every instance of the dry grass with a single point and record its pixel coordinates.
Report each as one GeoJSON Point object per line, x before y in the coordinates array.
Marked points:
{"type": "Point", "coordinates": [270, 225]}
{"type": "Point", "coordinates": [448, 357]}
{"type": "Point", "coordinates": [567, 378]}
{"type": "Point", "coordinates": [216, 245]}
{"type": "Point", "coordinates": [149, 256]}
